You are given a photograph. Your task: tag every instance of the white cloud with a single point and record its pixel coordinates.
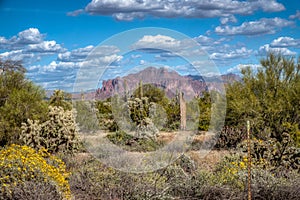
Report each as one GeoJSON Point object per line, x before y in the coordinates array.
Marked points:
{"type": "Point", "coordinates": [24, 38]}
{"type": "Point", "coordinates": [285, 42]}
{"type": "Point", "coordinates": [242, 52]}
{"type": "Point", "coordinates": [295, 16]}
{"type": "Point", "coordinates": [69, 63]}
{"type": "Point", "coordinates": [238, 68]}
{"type": "Point", "coordinates": [142, 62]}
{"type": "Point", "coordinates": [226, 20]}
{"type": "Point", "coordinates": [17, 55]}
{"type": "Point", "coordinates": [75, 55]}
{"type": "Point", "coordinates": [167, 47]}
{"type": "Point", "coordinates": [28, 45]}
{"type": "Point", "coordinates": [133, 9]}
{"type": "Point", "coordinates": [265, 49]}
{"type": "Point", "coordinates": [157, 42]}
{"type": "Point", "coordinates": [208, 41]}
{"type": "Point", "coordinates": [30, 36]}
{"type": "Point", "coordinates": [46, 47]}
{"type": "Point", "coordinates": [262, 26]}
{"type": "Point", "coordinates": [128, 16]}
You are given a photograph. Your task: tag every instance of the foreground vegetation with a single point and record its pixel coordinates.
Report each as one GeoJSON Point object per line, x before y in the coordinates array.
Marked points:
{"type": "Point", "coordinates": [42, 156]}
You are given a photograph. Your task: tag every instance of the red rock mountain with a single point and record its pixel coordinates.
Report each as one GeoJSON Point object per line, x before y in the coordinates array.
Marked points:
{"type": "Point", "coordinates": [168, 80]}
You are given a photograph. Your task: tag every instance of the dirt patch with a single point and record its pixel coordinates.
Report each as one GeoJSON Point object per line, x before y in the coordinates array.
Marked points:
{"type": "Point", "coordinates": [207, 160]}
{"type": "Point", "coordinates": [165, 137]}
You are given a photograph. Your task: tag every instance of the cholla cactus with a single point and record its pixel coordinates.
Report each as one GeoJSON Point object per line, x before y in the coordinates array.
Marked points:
{"type": "Point", "coordinates": [58, 133]}
{"type": "Point", "coordinates": [140, 113]}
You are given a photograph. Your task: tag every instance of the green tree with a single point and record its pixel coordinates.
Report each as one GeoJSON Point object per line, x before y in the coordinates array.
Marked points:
{"type": "Point", "coordinates": [269, 98]}
{"type": "Point", "coordinates": [20, 100]}
{"type": "Point", "coordinates": [173, 114]}
{"type": "Point", "coordinates": [205, 111]}
{"type": "Point", "coordinates": [154, 94]}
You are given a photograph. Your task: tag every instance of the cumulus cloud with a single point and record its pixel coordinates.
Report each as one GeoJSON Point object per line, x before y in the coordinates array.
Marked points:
{"type": "Point", "coordinates": [89, 60]}
{"type": "Point", "coordinates": [75, 55]}
{"type": "Point", "coordinates": [265, 49]}
{"type": "Point", "coordinates": [17, 55]}
{"type": "Point", "coordinates": [285, 42]}
{"type": "Point", "coordinates": [262, 26]}
{"type": "Point", "coordinates": [157, 42]}
{"type": "Point", "coordinates": [209, 48]}
{"type": "Point", "coordinates": [132, 9]}
{"type": "Point", "coordinates": [26, 37]}
{"type": "Point", "coordinates": [166, 46]}
{"type": "Point", "coordinates": [28, 45]}
{"type": "Point", "coordinates": [242, 52]}
{"type": "Point", "coordinates": [238, 68]}
{"type": "Point", "coordinates": [226, 20]}
{"type": "Point", "coordinates": [206, 41]}
{"type": "Point", "coordinates": [46, 47]}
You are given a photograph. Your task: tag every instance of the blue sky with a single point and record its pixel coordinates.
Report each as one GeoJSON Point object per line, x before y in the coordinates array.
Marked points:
{"type": "Point", "coordinates": [54, 38]}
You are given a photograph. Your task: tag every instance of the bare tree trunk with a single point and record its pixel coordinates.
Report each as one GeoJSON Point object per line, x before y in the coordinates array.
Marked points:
{"type": "Point", "coordinates": [182, 111]}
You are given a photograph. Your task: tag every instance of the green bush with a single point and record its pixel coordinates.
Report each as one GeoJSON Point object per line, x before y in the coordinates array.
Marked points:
{"type": "Point", "coordinates": [132, 143]}
{"type": "Point", "coordinates": [86, 116]}
{"type": "Point", "coordinates": [268, 98]}
{"type": "Point", "coordinates": [105, 115]}
{"type": "Point", "coordinates": [62, 99]}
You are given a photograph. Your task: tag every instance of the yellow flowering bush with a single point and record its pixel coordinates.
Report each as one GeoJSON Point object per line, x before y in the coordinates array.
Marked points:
{"type": "Point", "coordinates": [20, 164]}
{"type": "Point", "coordinates": [233, 171]}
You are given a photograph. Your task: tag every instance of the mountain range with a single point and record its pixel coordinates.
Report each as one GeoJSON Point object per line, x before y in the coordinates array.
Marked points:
{"type": "Point", "coordinates": [168, 80]}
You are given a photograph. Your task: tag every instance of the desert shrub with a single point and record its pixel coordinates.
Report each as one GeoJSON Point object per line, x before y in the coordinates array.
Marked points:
{"type": "Point", "coordinates": [279, 157]}
{"type": "Point", "coordinates": [267, 185]}
{"type": "Point", "coordinates": [132, 143]}
{"type": "Point", "coordinates": [183, 179]}
{"type": "Point", "coordinates": [92, 180]}
{"type": "Point", "coordinates": [172, 109]}
{"type": "Point", "coordinates": [230, 137]}
{"type": "Point", "coordinates": [59, 133]}
{"type": "Point", "coordinates": [86, 116]}
{"type": "Point", "coordinates": [33, 190]}
{"type": "Point", "coordinates": [21, 164]}
{"type": "Point", "coordinates": [231, 175]}
{"type": "Point", "coordinates": [205, 111]}
{"type": "Point", "coordinates": [232, 171]}
{"type": "Point", "coordinates": [105, 115]}
{"type": "Point", "coordinates": [120, 138]}
{"type": "Point", "coordinates": [220, 192]}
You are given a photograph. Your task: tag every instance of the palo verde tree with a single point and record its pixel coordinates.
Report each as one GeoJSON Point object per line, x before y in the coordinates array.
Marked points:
{"type": "Point", "coordinates": [269, 98]}
{"type": "Point", "coordinates": [20, 100]}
